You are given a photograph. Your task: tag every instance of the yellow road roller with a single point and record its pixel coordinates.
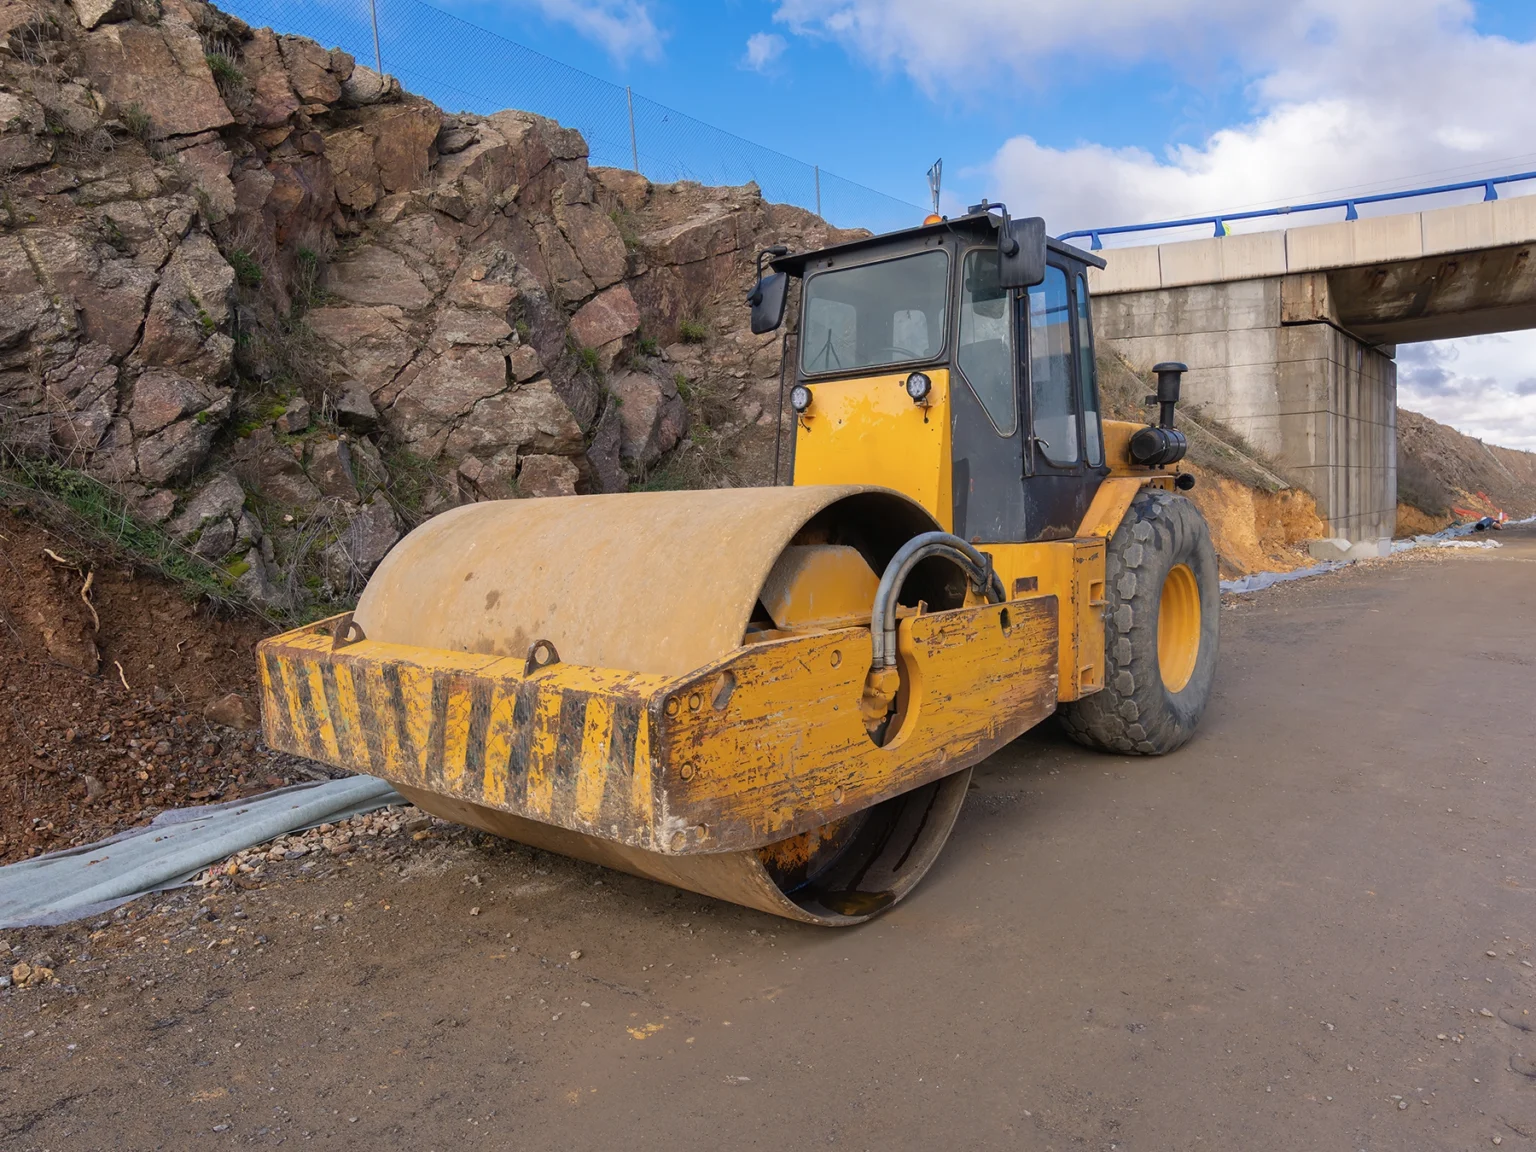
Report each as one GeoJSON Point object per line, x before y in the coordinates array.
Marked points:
{"type": "Point", "coordinates": [776, 695]}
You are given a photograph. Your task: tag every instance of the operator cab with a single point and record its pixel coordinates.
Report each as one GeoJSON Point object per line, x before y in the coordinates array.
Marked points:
{"type": "Point", "coordinates": [953, 362]}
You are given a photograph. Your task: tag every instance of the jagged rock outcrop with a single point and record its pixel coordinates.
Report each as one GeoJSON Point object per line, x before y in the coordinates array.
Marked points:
{"type": "Point", "coordinates": [256, 286]}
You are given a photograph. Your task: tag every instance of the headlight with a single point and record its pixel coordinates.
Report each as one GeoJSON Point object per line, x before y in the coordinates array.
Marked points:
{"type": "Point", "coordinates": [799, 397]}
{"type": "Point", "coordinates": [918, 387]}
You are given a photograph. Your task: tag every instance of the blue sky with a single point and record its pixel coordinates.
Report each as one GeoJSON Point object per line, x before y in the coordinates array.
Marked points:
{"type": "Point", "coordinates": [868, 120]}
{"type": "Point", "coordinates": [879, 115]}
{"type": "Point", "coordinates": [863, 120]}
{"type": "Point", "coordinates": [1099, 112]}
{"type": "Point", "coordinates": [1089, 112]}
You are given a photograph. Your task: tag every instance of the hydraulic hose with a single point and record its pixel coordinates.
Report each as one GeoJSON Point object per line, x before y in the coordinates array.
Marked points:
{"type": "Point", "coordinates": [976, 565]}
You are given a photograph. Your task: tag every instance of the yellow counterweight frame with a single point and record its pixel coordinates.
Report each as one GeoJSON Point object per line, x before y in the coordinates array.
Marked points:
{"type": "Point", "coordinates": [741, 753]}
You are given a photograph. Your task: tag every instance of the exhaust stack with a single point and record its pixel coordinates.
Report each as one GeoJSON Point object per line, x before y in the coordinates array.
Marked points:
{"type": "Point", "coordinates": [1160, 445]}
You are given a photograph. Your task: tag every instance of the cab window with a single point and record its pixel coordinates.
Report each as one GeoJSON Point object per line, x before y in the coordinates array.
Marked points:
{"type": "Point", "coordinates": [985, 356]}
{"type": "Point", "coordinates": [872, 315]}
{"type": "Point", "coordinates": [1088, 377]}
{"type": "Point", "coordinates": [1053, 405]}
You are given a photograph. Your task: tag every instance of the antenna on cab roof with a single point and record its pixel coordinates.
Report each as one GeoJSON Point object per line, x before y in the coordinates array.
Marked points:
{"type": "Point", "coordinates": [936, 175]}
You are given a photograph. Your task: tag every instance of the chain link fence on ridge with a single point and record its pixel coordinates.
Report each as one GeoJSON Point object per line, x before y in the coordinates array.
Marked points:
{"type": "Point", "coordinates": [463, 67]}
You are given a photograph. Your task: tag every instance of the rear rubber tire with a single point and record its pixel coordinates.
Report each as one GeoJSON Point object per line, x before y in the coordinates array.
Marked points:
{"type": "Point", "coordinates": [1135, 712]}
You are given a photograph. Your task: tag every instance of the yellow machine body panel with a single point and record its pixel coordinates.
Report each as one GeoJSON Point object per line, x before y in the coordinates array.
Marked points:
{"type": "Point", "coordinates": [868, 431]}
{"type": "Point", "coordinates": [819, 586]}
{"type": "Point", "coordinates": [1071, 571]}
{"type": "Point", "coordinates": [776, 744]}
{"type": "Point", "coordinates": [1109, 505]}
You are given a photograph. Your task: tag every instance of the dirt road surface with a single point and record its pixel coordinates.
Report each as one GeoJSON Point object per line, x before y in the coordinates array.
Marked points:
{"type": "Point", "coordinates": [1312, 928]}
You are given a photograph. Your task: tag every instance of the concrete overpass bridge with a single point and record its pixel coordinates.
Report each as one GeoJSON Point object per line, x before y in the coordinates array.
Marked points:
{"type": "Point", "coordinates": [1291, 335]}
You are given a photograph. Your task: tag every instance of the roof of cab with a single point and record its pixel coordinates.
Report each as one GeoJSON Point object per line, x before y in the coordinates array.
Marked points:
{"type": "Point", "coordinates": [976, 223]}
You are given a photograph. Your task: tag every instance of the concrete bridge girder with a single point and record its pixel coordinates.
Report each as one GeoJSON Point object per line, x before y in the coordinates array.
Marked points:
{"type": "Point", "coordinates": [1438, 297]}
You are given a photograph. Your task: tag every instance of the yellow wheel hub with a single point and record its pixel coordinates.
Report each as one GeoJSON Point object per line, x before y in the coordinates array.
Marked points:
{"type": "Point", "coordinates": [1178, 627]}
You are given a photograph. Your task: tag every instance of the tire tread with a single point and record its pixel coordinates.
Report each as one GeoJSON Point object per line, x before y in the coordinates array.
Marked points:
{"type": "Point", "coordinates": [1134, 713]}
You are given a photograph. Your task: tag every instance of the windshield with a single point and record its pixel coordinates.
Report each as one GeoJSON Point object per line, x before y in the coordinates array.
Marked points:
{"type": "Point", "coordinates": [875, 314]}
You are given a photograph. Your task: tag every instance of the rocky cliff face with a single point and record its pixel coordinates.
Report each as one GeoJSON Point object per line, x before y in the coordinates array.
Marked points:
{"type": "Point", "coordinates": [288, 309]}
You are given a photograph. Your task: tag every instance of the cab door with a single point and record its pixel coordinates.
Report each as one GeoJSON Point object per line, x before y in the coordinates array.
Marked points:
{"type": "Point", "coordinates": [1064, 448]}
{"type": "Point", "coordinates": [987, 422]}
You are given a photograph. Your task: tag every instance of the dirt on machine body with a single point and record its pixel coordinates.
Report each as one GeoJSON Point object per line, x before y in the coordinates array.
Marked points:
{"type": "Point", "coordinates": [775, 696]}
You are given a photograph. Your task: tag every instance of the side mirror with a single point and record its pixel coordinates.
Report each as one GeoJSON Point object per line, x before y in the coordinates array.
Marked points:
{"type": "Point", "coordinates": [1021, 252]}
{"type": "Point", "coordinates": [767, 300]}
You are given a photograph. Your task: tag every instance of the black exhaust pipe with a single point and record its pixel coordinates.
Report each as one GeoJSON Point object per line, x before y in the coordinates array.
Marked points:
{"type": "Point", "coordinates": [1160, 445]}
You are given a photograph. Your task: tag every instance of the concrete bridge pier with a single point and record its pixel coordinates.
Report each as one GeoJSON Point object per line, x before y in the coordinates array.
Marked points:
{"type": "Point", "coordinates": [1269, 358]}
{"type": "Point", "coordinates": [1290, 335]}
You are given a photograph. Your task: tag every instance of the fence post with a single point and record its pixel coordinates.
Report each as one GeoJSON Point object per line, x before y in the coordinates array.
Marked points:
{"type": "Point", "coordinates": [634, 147]}
{"type": "Point", "coordinates": [378, 57]}
{"type": "Point", "coordinates": [818, 189]}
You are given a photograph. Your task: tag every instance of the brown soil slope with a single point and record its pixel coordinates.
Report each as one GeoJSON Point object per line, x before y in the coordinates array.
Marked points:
{"type": "Point", "coordinates": [1441, 469]}
{"type": "Point", "coordinates": [105, 693]}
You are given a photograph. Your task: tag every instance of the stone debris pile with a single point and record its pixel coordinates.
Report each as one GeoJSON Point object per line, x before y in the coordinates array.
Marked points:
{"type": "Point", "coordinates": [336, 839]}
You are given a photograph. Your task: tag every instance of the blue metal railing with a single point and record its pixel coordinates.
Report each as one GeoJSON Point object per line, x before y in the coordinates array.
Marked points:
{"type": "Point", "coordinates": [1488, 185]}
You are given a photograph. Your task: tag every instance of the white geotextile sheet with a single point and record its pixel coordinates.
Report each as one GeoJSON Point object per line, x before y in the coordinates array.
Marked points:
{"type": "Point", "coordinates": [1446, 538]}
{"type": "Point", "coordinates": [1258, 581]}
{"type": "Point", "coordinates": [173, 849]}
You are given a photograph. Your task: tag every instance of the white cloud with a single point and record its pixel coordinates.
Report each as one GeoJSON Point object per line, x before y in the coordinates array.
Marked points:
{"type": "Point", "coordinates": [1379, 104]}
{"type": "Point", "coordinates": [1293, 152]}
{"type": "Point", "coordinates": [763, 51]}
{"type": "Point", "coordinates": [956, 47]}
{"type": "Point", "coordinates": [1383, 103]}
{"type": "Point", "coordinates": [1345, 98]}
{"type": "Point", "coordinates": [624, 28]}
{"type": "Point", "coordinates": [1483, 385]}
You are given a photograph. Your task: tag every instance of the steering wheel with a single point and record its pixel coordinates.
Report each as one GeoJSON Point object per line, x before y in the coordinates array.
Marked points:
{"type": "Point", "coordinates": [903, 353]}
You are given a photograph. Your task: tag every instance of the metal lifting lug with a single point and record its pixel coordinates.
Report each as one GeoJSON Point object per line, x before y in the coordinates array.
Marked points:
{"type": "Point", "coordinates": [541, 655]}
{"type": "Point", "coordinates": [347, 631]}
